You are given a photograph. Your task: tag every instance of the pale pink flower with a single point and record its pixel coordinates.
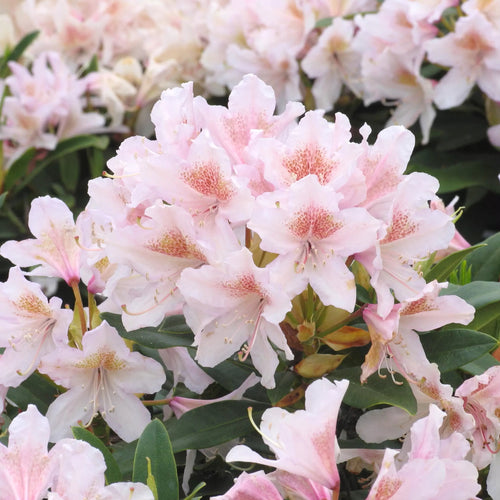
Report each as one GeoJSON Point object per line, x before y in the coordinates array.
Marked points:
{"type": "Point", "coordinates": [174, 118]}
{"type": "Point", "coordinates": [256, 486]}
{"type": "Point", "coordinates": [473, 53]}
{"type": "Point", "coordinates": [30, 327]}
{"type": "Point", "coordinates": [413, 232]}
{"type": "Point", "coordinates": [102, 377]}
{"type": "Point", "coordinates": [481, 399]}
{"type": "Point", "coordinates": [394, 334]}
{"type": "Point", "coordinates": [458, 242]}
{"type": "Point", "coordinates": [26, 468]}
{"type": "Point", "coordinates": [54, 248]}
{"type": "Point", "coordinates": [79, 475]}
{"type": "Point", "coordinates": [45, 105]}
{"type": "Point", "coordinates": [315, 147]}
{"type": "Point", "coordinates": [489, 8]}
{"type": "Point", "coordinates": [333, 62]}
{"type": "Point", "coordinates": [185, 370]}
{"type": "Point", "coordinates": [236, 304]}
{"type": "Point", "coordinates": [441, 461]}
{"type": "Point", "coordinates": [383, 165]}
{"type": "Point", "coordinates": [181, 405]}
{"type": "Point", "coordinates": [250, 110]}
{"type": "Point", "coordinates": [493, 133]}
{"type": "Point", "coordinates": [409, 29]}
{"type": "Point", "coordinates": [395, 79]}
{"type": "Point", "coordinates": [303, 224]}
{"type": "Point", "coordinates": [298, 487]}
{"type": "Point", "coordinates": [304, 442]}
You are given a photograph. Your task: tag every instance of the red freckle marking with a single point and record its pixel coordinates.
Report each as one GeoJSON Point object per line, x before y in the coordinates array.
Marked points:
{"type": "Point", "coordinates": [29, 305]}
{"type": "Point", "coordinates": [244, 284]}
{"type": "Point", "coordinates": [418, 306]}
{"type": "Point", "coordinates": [387, 487]}
{"type": "Point", "coordinates": [310, 160]}
{"type": "Point", "coordinates": [206, 178]}
{"type": "Point", "coordinates": [313, 223]}
{"type": "Point", "coordinates": [176, 244]}
{"type": "Point", "coordinates": [400, 227]}
{"type": "Point", "coordinates": [237, 129]}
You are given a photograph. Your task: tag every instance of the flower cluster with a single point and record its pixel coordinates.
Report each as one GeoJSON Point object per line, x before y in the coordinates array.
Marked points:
{"type": "Point", "coordinates": [277, 236]}
{"type": "Point", "coordinates": [433, 56]}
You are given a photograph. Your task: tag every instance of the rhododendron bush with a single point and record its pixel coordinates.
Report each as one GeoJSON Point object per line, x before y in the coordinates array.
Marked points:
{"type": "Point", "coordinates": [230, 269]}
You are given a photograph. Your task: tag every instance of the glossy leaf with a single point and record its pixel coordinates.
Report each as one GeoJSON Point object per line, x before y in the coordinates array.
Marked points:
{"type": "Point", "coordinates": [485, 262]}
{"type": "Point", "coordinates": [170, 334]}
{"type": "Point", "coordinates": [376, 390]}
{"type": "Point", "coordinates": [16, 52]}
{"type": "Point", "coordinates": [112, 473]}
{"type": "Point", "coordinates": [451, 349]}
{"type": "Point", "coordinates": [477, 293]}
{"type": "Point", "coordinates": [37, 389]}
{"type": "Point", "coordinates": [154, 444]}
{"type": "Point", "coordinates": [442, 270]}
{"type": "Point", "coordinates": [19, 168]}
{"type": "Point", "coordinates": [480, 365]}
{"type": "Point", "coordinates": [63, 148]}
{"type": "Point", "coordinates": [213, 424]}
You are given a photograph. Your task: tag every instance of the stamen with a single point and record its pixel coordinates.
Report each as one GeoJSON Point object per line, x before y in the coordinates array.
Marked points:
{"type": "Point", "coordinates": [113, 176]}
{"type": "Point", "coordinates": [149, 309]}
{"type": "Point", "coordinates": [79, 245]}
{"type": "Point", "coordinates": [254, 425]}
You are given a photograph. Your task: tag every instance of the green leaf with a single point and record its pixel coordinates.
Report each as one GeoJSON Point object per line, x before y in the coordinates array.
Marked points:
{"type": "Point", "coordinates": [69, 169]}
{"type": "Point", "coordinates": [19, 168]}
{"type": "Point", "coordinates": [16, 52]}
{"type": "Point", "coordinates": [154, 444]}
{"type": "Point", "coordinates": [37, 389]}
{"type": "Point", "coordinates": [480, 365]}
{"type": "Point", "coordinates": [486, 318]}
{"type": "Point", "coordinates": [442, 270]}
{"type": "Point", "coordinates": [485, 262]}
{"type": "Point", "coordinates": [112, 473]}
{"type": "Point", "coordinates": [172, 332]}
{"type": "Point", "coordinates": [477, 293]}
{"type": "Point", "coordinates": [213, 424]}
{"type": "Point", "coordinates": [3, 196]}
{"type": "Point", "coordinates": [324, 23]}
{"type": "Point", "coordinates": [451, 349]}
{"type": "Point", "coordinates": [376, 390]}
{"type": "Point", "coordinates": [63, 148]}
{"type": "Point", "coordinates": [457, 170]}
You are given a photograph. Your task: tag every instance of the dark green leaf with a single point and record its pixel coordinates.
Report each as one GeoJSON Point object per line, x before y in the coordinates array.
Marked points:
{"type": "Point", "coordinates": [16, 52]}
{"type": "Point", "coordinates": [19, 168]}
{"type": "Point", "coordinates": [113, 474]}
{"type": "Point", "coordinates": [486, 319]}
{"type": "Point", "coordinates": [3, 196]}
{"type": "Point", "coordinates": [442, 270]}
{"type": "Point", "coordinates": [458, 170]}
{"type": "Point", "coordinates": [69, 169]}
{"type": "Point", "coordinates": [154, 444]}
{"type": "Point", "coordinates": [284, 383]}
{"type": "Point", "coordinates": [485, 262]}
{"type": "Point", "coordinates": [451, 349]}
{"type": "Point", "coordinates": [480, 365]}
{"type": "Point", "coordinates": [213, 424]}
{"type": "Point", "coordinates": [37, 390]}
{"type": "Point", "coordinates": [230, 374]}
{"type": "Point", "coordinates": [64, 147]}
{"type": "Point", "coordinates": [477, 293]}
{"type": "Point", "coordinates": [376, 390]}
{"type": "Point", "coordinates": [157, 338]}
